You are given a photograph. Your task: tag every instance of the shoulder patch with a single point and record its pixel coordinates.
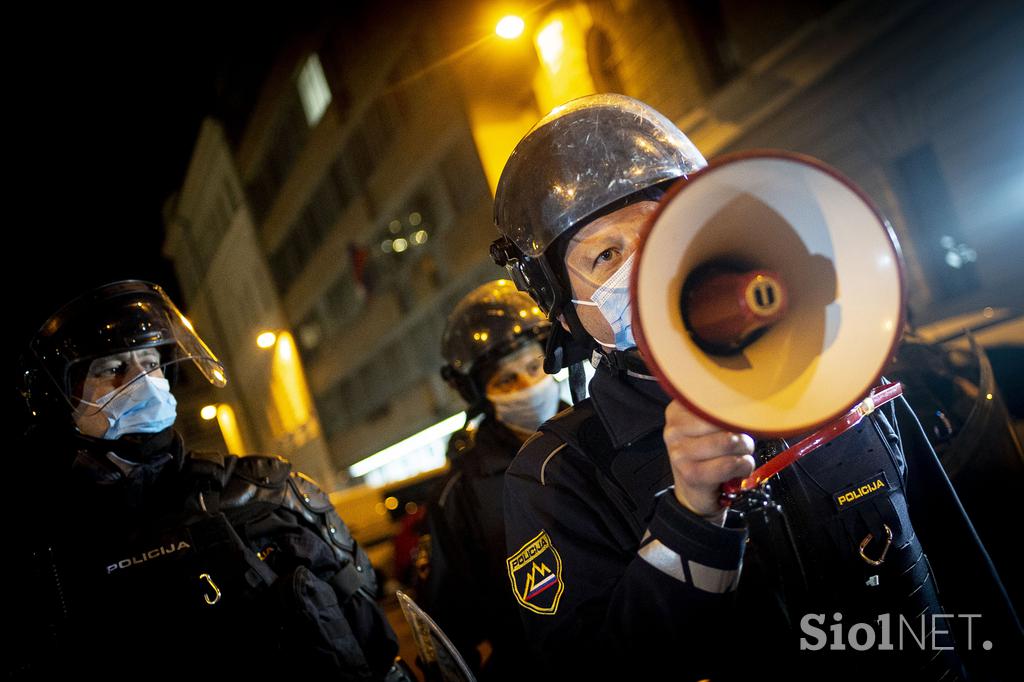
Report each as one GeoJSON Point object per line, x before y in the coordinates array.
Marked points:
{"type": "Point", "coordinates": [535, 572]}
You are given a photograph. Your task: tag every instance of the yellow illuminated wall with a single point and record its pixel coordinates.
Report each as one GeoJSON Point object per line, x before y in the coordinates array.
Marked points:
{"type": "Point", "coordinates": [561, 44]}
{"type": "Point", "coordinates": [561, 72]}
{"type": "Point", "coordinates": [293, 405]}
{"type": "Point", "coordinates": [230, 431]}
{"type": "Point", "coordinates": [496, 131]}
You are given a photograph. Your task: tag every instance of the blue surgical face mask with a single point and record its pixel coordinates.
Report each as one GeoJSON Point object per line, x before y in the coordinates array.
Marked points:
{"type": "Point", "coordinates": [612, 299]}
{"type": "Point", "coordinates": [527, 408]}
{"type": "Point", "coordinates": [144, 406]}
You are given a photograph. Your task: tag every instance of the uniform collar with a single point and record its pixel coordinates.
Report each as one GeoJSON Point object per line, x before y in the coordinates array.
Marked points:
{"type": "Point", "coordinates": [494, 446]}
{"type": "Point", "coordinates": [629, 406]}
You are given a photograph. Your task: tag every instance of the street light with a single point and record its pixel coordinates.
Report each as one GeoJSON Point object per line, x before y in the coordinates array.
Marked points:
{"type": "Point", "coordinates": [510, 27]}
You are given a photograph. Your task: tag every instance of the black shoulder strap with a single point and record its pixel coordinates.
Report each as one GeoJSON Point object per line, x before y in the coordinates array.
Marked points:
{"type": "Point", "coordinates": [566, 424]}
{"type": "Point", "coordinates": [348, 581]}
{"type": "Point", "coordinates": [581, 429]}
{"type": "Point", "coordinates": [205, 473]}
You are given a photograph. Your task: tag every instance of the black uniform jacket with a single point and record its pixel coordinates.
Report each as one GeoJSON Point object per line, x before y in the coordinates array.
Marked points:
{"type": "Point", "coordinates": [170, 563]}
{"type": "Point", "coordinates": [616, 580]}
{"type": "Point", "coordinates": [466, 591]}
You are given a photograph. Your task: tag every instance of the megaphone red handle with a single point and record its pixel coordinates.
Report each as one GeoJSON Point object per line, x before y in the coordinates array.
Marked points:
{"type": "Point", "coordinates": [879, 396]}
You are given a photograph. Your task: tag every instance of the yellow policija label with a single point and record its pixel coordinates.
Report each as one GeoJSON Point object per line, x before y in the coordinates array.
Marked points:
{"type": "Point", "coordinates": [866, 488]}
{"type": "Point", "coordinates": [536, 575]}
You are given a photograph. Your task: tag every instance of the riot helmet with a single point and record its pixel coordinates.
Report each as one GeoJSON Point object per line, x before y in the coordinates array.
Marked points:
{"type": "Point", "coordinates": [489, 323]}
{"type": "Point", "coordinates": [585, 159]}
{"type": "Point", "coordinates": [121, 317]}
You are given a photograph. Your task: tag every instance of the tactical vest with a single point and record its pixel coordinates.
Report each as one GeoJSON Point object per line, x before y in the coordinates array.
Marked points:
{"type": "Point", "coordinates": [256, 573]}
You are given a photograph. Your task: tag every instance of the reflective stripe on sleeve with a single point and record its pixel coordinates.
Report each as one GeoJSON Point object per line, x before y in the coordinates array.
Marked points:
{"type": "Point", "coordinates": [664, 559]}
{"type": "Point", "coordinates": [703, 577]}
{"type": "Point", "coordinates": [711, 579]}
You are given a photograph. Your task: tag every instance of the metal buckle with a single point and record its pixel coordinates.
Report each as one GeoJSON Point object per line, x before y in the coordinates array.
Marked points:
{"type": "Point", "coordinates": [866, 407]}
{"type": "Point", "coordinates": [867, 541]}
{"type": "Point", "coordinates": [213, 586]}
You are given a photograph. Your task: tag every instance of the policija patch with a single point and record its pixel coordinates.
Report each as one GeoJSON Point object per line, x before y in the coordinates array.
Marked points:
{"type": "Point", "coordinates": [536, 575]}
{"type": "Point", "coordinates": [861, 491]}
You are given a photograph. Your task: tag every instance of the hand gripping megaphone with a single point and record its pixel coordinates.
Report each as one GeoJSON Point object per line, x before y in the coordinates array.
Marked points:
{"type": "Point", "coordinates": [768, 295]}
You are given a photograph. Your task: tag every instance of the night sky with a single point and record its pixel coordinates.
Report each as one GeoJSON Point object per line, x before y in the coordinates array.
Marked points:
{"type": "Point", "coordinates": [107, 106]}
{"type": "Point", "coordinates": [103, 109]}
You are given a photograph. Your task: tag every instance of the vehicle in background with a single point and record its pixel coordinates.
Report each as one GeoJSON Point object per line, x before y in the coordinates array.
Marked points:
{"type": "Point", "coordinates": [385, 521]}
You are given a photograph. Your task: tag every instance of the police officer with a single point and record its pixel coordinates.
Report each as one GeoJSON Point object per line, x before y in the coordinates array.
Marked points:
{"type": "Point", "coordinates": [620, 557]}
{"type": "Point", "coordinates": [137, 556]}
{"type": "Point", "coordinates": [493, 350]}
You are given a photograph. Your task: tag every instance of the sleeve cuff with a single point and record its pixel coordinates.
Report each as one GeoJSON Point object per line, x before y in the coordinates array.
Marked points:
{"type": "Point", "coordinates": [694, 538]}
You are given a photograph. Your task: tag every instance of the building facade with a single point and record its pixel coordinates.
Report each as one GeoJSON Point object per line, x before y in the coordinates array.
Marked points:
{"type": "Point", "coordinates": [361, 187]}
{"type": "Point", "coordinates": [266, 408]}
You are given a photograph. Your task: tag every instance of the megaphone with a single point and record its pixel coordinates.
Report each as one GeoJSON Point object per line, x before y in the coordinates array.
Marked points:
{"type": "Point", "coordinates": [768, 293]}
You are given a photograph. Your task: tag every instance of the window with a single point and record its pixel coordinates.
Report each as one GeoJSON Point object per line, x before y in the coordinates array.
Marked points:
{"type": "Point", "coordinates": [324, 207]}
{"type": "Point", "coordinates": [342, 301]}
{"type": "Point", "coordinates": [464, 178]}
{"type": "Point", "coordinates": [307, 233]}
{"type": "Point", "coordinates": [948, 262]}
{"type": "Point", "coordinates": [604, 68]}
{"type": "Point", "coordinates": [284, 265]}
{"type": "Point", "coordinates": [380, 125]}
{"type": "Point", "coordinates": [289, 136]}
{"type": "Point", "coordinates": [333, 411]}
{"type": "Point", "coordinates": [359, 157]}
{"type": "Point", "coordinates": [260, 191]}
{"type": "Point", "coordinates": [345, 180]}
{"type": "Point", "coordinates": [405, 238]}
{"type": "Point", "coordinates": [313, 90]}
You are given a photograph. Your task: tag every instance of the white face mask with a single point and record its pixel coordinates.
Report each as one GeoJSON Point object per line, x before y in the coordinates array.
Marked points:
{"type": "Point", "coordinates": [612, 299]}
{"type": "Point", "coordinates": [528, 408]}
{"type": "Point", "coordinates": [144, 406]}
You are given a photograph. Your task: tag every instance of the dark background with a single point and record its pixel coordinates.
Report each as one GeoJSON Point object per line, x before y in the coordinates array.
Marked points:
{"type": "Point", "coordinates": [107, 106]}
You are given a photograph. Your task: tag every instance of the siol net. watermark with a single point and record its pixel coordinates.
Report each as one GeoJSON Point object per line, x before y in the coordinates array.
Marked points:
{"type": "Point", "coordinates": [886, 633]}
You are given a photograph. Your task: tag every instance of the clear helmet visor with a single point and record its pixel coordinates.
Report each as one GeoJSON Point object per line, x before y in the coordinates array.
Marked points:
{"type": "Point", "coordinates": [109, 378]}
{"type": "Point", "coordinates": [109, 340]}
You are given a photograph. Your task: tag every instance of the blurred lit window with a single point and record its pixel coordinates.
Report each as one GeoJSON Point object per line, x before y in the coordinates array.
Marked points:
{"type": "Point", "coordinates": [309, 335]}
{"type": "Point", "coordinates": [313, 90]}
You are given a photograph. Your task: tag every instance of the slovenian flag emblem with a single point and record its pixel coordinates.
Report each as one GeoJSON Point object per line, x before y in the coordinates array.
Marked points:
{"type": "Point", "coordinates": [533, 571]}
{"type": "Point", "coordinates": [550, 581]}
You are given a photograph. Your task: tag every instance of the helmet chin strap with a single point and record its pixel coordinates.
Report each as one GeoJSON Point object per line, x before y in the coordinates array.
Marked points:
{"type": "Point", "coordinates": [569, 349]}
{"type": "Point", "coordinates": [629, 362]}
{"type": "Point", "coordinates": [582, 347]}
{"type": "Point", "coordinates": [566, 348]}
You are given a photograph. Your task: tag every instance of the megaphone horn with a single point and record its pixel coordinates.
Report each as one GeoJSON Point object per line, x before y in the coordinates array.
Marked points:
{"type": "Point", "coordinates": [767, 293]}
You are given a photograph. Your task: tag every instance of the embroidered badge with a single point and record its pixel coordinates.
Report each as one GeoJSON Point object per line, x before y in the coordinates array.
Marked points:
{"type": "Point", "coordinates": [536, 575]}
{"type": "Point", "coordinates": [858, 493]}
